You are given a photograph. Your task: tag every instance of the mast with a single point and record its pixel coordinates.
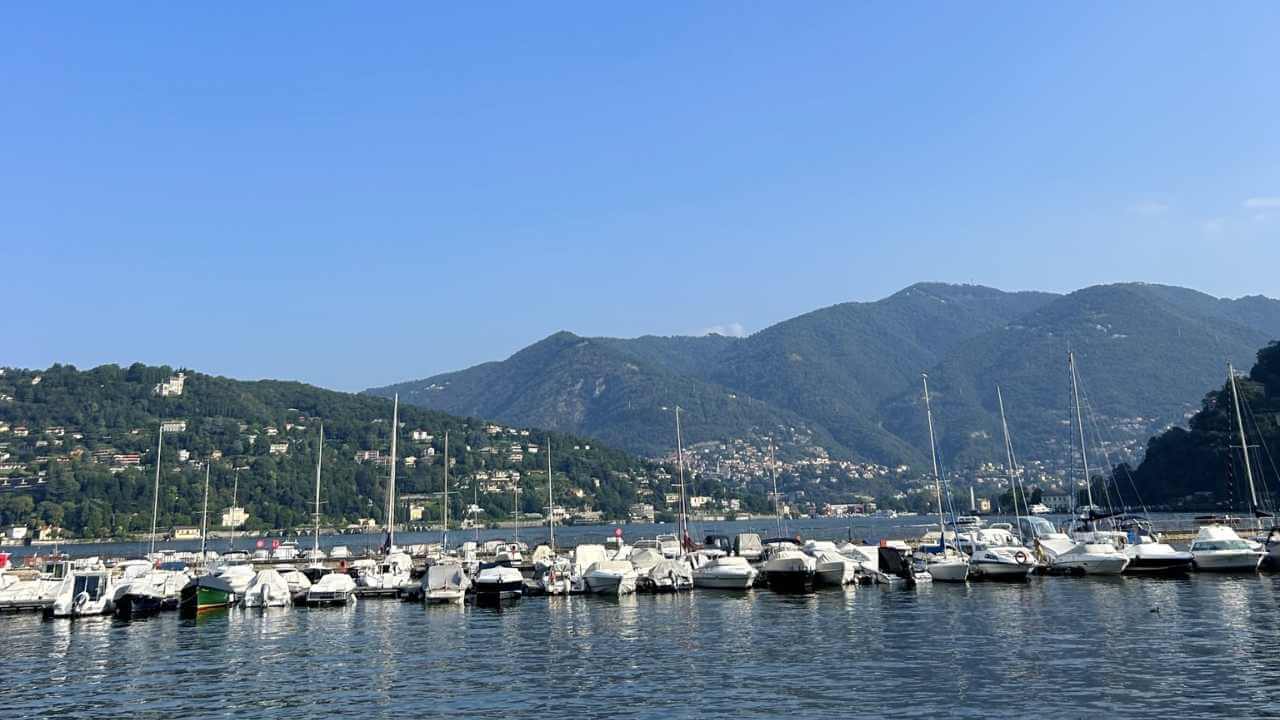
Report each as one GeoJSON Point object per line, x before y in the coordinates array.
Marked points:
{"type": "Point", "coordinates": [155, 497]}
{"type": "Point", "coordinates": [773, 473]}
{"type": "Point", "coordinates": [551, 503]}
{"type": "Point", "coordinates": [235, 490]}
{"type": "Point", "coordinates": [933, 456]}
{"type": "Point", "coordinates": [319, 461]}
{"type": "Point", "coordinates": [391, 486]}
{"type": "Point", "coordinates": [475, 507]}
{"type": "Point", "coordinates": [515, 509]}
{"type": "Point", "coordinates": [444, 540]}
{"type": "Point", "coordinates": [684, 516]}
{"type": "Point", "coordinates": [1008, 449]}
{"type": "Point", "coordinates": [1244, 443]}
{"type": "Point", "coordinates": [1084, 455]}
{"type": "Point", "coordinates": [204, 515]}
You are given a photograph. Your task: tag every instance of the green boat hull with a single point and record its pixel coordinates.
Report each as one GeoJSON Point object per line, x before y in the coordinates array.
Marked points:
{"type": "Point", "coordinates": [200, 596]}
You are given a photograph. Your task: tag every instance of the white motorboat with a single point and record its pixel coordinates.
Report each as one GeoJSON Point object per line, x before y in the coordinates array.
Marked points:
{"type": "Point", "coordinates": [237, 576]}
{"type": "Point", "coordinates": [1218, 548]}
{"type": "Point", "coordinates": [611, 577]}
{"type": "Point", "coordinates": [748, 545]}
{"type": "Point", "coordinates": [445, 583]}
{"type": "Point", "coordinates": [832, 567]}
{"type": "Point", "coordinates": [145, 590]}
{"type": "Point", "coordinates": [643, 558]}
{"type": "Point", "coordinates": [84, 593]}
{"type": "Point", "coordinates": [787, 568]}
{"type": "Point", "coordinates": [1040, 509]}
{"type": "Point", "coordinates": [268, 589]}
{"type": "Point", "coordinates": [949, 565]}
{"type": "Point", "coordinates": [285, 551]}
{"type": "Point", "coordinates": [497, 583]}
{"type": "Point", "coordinates": [669, 545]}
{"type": "Point", "coordinates": [997, 555]}
{"type": "Point", "coordinates": [584, 557]}
{"type": "Point", "coordinates": [340, 552]}
{"type": "Point", "coordinates": [332, 589]}
{"type": "Point", "coordinates": [1147, 554]}
{"type": "Point", "coordinates": [297, 582]}
{"type": "Point", "coordinates": [725, 572]}
{"type": "Point", "coordinates": [667, 575]}
{"type": "Point", "coordinates": [389, 574]}
{"type": "Point", "coordinates": [1082, 558]}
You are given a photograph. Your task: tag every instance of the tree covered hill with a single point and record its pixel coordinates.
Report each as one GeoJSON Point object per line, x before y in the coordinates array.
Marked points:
{"type": "Point", "coordinates": [1201, 465]}
{"type": "Point", "coordinates": [78, 449]}
{"type": "Point", "coordinates": [850, 374]}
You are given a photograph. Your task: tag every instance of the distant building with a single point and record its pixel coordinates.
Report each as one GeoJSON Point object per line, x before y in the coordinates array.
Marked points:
{"type": "Point", "coordinates": [367, 455]}
{"type": "Point", "coordinates": [1057, 503]}
{"type": "Point", "coordinates": [279, 448]}
{"type": "Point", "coordinates": [17, 532]}
{"type": "Point", "coordinates": [641, 512]}
{"type": "Point", "coordinates": [171, 387]}
{"type": "Point", "coordinates": [234, 517]}
{"type": "Point", "coordinates": [185, 533]}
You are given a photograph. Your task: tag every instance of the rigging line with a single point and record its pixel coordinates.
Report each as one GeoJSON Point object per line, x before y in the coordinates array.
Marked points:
{"type": "Point", "coordinates": [1095, 435]}
{"type": "Point", "coordinates": [1266, 451]}
{"type": "Point", "coordinates": [1128, 458]}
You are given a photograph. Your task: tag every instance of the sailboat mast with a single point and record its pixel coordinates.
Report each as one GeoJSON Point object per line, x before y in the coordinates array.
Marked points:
{"type": "Point", "coordinates": [773, 474]}
{"type": "Point", "coordinates": [155, 496]}
{"type": "Point", "coordinates": [475, 507]}
{"type": "Point", "coordinates": [1244, 443]}
{"type": "Point", "coordinates": [684, 516]}
{"type": "Point", "coordinates": [319, 461]}
{"type": "Point", "coordinates": [235, 491]}
{"type": "Point", "coordinates": [1008, 449]}
{"type": "Point", "coordinates": [391, 486]}
{"type": "Point", "coordinates": [444, 540]}
{"type": "Point", "coordinates": [1084, 454]}
{"type": "Point", "coordinates": [551, 501]}
{"type": "Point", "coordinates": [933, 456]}
{"type": "Point", "coordinates": [204, 515]}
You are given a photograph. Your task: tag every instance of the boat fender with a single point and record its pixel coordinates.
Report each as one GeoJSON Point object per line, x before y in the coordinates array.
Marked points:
{"type": "Point", "coordinates": [1021, 557]}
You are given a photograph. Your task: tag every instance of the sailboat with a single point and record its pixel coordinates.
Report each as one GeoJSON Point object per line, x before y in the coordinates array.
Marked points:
{"type": "Point", "coordinates": [393, 571]}
{"type": "Point", "coordinates": [555, 572]}
{"type": "Point", "coordinates": [1086, 551]}
{"type": "Point", "coordinates": [997, 555]}
{"type": "Point", "coordinates": [945, 564]}
{"type": "Point", "coordinates": [206, 592]}
{"type": "Point", "coordinates": [671, 573]}
{"type": "Point", "coordinates": [786, 567]}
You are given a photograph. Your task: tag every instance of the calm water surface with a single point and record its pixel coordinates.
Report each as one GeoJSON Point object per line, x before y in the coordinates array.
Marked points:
{"type": "Point", "coordinates": [1202, 646]}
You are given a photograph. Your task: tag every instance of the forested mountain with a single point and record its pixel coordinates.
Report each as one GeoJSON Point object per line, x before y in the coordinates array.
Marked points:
{"type": "Point", "coordinates": [78, 449]}
{"type": "Point", "coordinates": [1201, 465]}
{"type": "Point", "coordinates": [850, 373]}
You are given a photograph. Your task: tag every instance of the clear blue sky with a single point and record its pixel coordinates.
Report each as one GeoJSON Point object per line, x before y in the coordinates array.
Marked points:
{"type": "Point", "coordinates": [352, 195]}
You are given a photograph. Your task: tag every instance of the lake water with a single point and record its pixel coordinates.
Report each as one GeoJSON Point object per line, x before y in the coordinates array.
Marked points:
{"type": "Point", "coordinates": [1201, 646]}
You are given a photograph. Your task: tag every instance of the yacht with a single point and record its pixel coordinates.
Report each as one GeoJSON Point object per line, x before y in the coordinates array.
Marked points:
{"type": "Point", "coordinates": [386, 576]}
{"type": "Point", "coordinates": [445, 583]}
{"type": "Point", "coordinates": [611, 577]}
{"type": "Point", "coordinates": [1040, 509]}
{"type": "Point", "coordinates": [84, 592]}
{"type": "Point", "coordinates": [1219, 548]}
{"type": "Point", "coordinates": [667, 575]}
{"type": "Point", "coordinates": [145, 590]}
{"type": "Point", "coordinates": [832, 567]}
{"type": "Point", "coordinates": [1064, 555]}
{"type": "Point", "coordinates": [268, 589]}
{"type": "Point", "coordinates": [331, 589]}
{"type": "Point", "coordinates": [787, 568]}
{"type": "Point", "coordinates": [997, 555]}
{"type": "Point", "coordinates": [497, 583]}
{"type": "Point", "coordinates": [724, 572]}
{"type": "Point", "coordinates": [1147, 555]}
{"type": "Point", "coordinates": [285, 551]}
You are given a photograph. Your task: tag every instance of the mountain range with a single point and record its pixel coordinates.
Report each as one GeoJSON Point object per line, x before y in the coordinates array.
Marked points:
{"type": "Point", "coordinates": [850, 374]}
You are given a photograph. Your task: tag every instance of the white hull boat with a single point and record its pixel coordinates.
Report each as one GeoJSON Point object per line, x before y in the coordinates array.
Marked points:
{"type": "Point", "coordinates": [84, 593]}
{"type": "Point", "coordinates": [1217, 548]}
{"type": "Point", "coordinates": [725, 573]}
{"type": "Point", "coordinates": [611, 577]}
{"type": "Point", "coordinates": [268, 589]}
{"type": "Point", "coordinates": [444, 584]}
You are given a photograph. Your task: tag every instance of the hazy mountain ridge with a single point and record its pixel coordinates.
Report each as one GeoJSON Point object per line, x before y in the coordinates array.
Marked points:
{"type": "Point", "coordinates": [851, 372]}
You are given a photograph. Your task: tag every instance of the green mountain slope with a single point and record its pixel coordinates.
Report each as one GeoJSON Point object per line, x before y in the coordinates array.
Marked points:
{"type": "Point", "coordinates": [53, 422]}
{"type": "Point", "coordinates": [603, 388]}
{"type": "Point", "coordinates": [1201, 466]}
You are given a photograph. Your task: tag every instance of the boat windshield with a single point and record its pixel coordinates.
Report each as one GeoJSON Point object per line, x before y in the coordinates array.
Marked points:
{"type": "Point", "coordinates": [1036, 526]}
{"type": "Point", "coordinates": [1210, 545]}
{"type": "Point", "coordinates": [91, 584]}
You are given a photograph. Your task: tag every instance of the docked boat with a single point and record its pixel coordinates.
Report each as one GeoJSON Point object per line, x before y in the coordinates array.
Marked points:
{"type": "Point", "coordinates": [832, 567]}
{"type": "Point", "coordinates": [498, 583]}
{"type": "Point", "coordinates": [787, 568]}
{"type": "Point", "coordinates": [297, 582]}
{"type": "Point", "coordinates": [1147, 554]}
{"type": "Point", "coordinates": [1040, 509]}
{"type": "Point", "coordinates": [84, 593]}
{"type": "Point", "coordinates": [997, 555]}
{"type": "Point", "coordinates": [445, 583]}
{"type": "Point", "coordinates": [725, 572]}
{"type": "Point", "coordinates": [286, 551]}
{"type": "Point", "coordinates": [748, 545]}
{"type": "Point", "coordinates": [611, 577]}
{"type": "Point", "coordinates": [1218, 548]}
{"type": "Point", "coordinates": [237, 576]}
{"type": "Point", "coordinates": [206, 592]}
{"type": "Point", "coordinates": [340, 552]}
{"type": "Point", "coordinates": [331, 589]}
{"type": "Point", "coordinates": [943, 563]}
{"type": "Point", "coordinates": [667, 575]}
{"type": "Point", "coordinates": [145, 590]}
{"type": "Point", "coordinates": [268, 589]}
{"type": "Point", "coordinates": [387, 575]}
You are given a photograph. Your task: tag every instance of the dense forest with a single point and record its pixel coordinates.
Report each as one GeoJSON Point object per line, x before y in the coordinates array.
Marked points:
{"type": "Point", "coordinates": [78, 450]}
{"type": "Point", "coordinates": [1201, 466]}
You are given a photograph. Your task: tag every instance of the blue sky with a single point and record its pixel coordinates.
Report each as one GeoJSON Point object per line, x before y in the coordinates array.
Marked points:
{"type": "Point", "coordinates": [352, 197]}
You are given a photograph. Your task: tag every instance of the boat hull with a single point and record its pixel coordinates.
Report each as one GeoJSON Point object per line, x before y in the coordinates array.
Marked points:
{"type": "Point", "coordinates": [1228, 561]}
{"type": "Point", "coordinates": [724, 580]}
{"type": "Point", "coordinates": [791, 581]}
{"type": "Point", "coordinates": [139, 605]}
{"type": "Point", "coordinates": [979, 570]}
{"type": "Point", "coordinates": [948, 571]}
{"type": "Point", "coordinates": [1158, 566]}
{"type": "Point", "coordinates": [610, 584]}
{"type": "Point", "coordinates": [493, 593]}
{"type": "Point", "coordinates": [198, 597]}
